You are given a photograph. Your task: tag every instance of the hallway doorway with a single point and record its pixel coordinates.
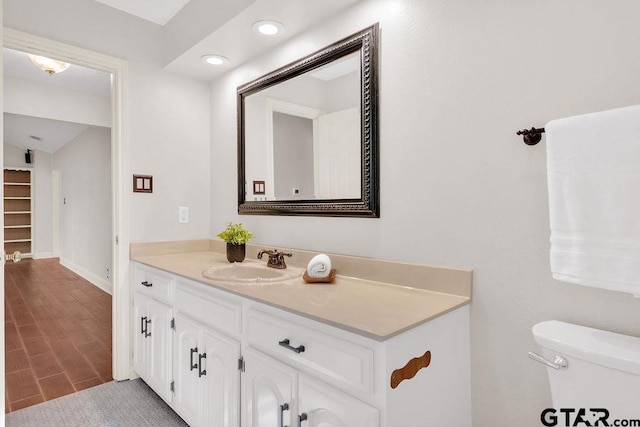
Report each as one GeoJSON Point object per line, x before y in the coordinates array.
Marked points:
{"type": "Point", "coordinates": [61, 218]}
{"type": "Point", "coordinates": [119, 238]}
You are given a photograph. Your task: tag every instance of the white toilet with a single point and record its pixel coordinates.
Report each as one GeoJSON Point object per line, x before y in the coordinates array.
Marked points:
{"type": "Point", "coordinates": [602, 368]}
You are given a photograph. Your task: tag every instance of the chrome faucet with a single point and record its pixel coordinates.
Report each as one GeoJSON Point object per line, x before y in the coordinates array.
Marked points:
{"type": "Point", "coordinates": [276, 258]}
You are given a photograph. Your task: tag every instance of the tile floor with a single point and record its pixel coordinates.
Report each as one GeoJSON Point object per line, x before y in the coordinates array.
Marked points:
{"type": "Point", "coordinates": [57, 333]}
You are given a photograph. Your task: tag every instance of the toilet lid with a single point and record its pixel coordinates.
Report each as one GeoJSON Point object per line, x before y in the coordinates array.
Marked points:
{"type": "Point", "coordinates": [605, 348]}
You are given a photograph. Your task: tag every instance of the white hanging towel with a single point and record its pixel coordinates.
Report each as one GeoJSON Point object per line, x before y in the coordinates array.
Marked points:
{"type": "Point", "coordinates": [593, 167]}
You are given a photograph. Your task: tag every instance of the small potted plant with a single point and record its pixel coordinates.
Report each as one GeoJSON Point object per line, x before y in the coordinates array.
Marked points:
{"type": "Point", "coordinates": [236, 237]}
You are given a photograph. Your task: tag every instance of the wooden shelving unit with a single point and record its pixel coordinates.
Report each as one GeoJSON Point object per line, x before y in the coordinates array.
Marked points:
{"type": "Point", "coordinates": [18, 233]}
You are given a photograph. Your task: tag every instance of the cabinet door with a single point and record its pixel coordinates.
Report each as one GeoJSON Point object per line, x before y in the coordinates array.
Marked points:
{"type": "Point", "coordinates": [159, 347]}
{"type": "Point", "coordinates": [140, 341]}
{"type": "Point", "coordinates": [268, 391]}
{"type": "Point", "coordinates": [220, 377]}
{"type": "Point", "coordinates": [324, 406]}
{"type": "Point", "coordinates": [188, 390]}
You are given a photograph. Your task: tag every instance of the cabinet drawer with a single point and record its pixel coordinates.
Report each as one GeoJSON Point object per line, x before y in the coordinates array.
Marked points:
{"type": "Point", "coordinates": [201, 303]}
{"type": "Point", "coordinates": [331, 358]}
{"type": "Point", "coordinates": [156, 284]}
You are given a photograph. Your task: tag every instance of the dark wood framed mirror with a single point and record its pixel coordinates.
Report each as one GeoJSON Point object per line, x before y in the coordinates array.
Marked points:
{"type": "Point", "coordinates": [308, 133]}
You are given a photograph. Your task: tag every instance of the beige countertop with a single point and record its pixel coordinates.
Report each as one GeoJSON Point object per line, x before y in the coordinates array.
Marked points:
{"type": "Point", "coordinates": [370, 308]}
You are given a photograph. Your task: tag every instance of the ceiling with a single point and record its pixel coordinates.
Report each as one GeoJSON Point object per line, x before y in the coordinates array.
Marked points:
{"type": "Point", "coordinates": [158, 11]}
{"type": "Point", "coordinates": [53, 134]}
{"type": "Point", "coordinates": [19, 131]}
{"type": "Point", "coordinates": [234, 39]}
{"type": "Point", "coordinates": [17, 64]}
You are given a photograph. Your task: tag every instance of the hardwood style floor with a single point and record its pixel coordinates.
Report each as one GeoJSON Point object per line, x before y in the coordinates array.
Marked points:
{"type": "Point", "coordinates": [57, 333]}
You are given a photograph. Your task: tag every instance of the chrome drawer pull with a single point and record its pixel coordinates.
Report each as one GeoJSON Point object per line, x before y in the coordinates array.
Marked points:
{"type": "Point", "coordinates": [286, 344]}
{"type": "Point", "coordinates": [147, 284]}
{"type": "Point", "coordinates": [559, 362]}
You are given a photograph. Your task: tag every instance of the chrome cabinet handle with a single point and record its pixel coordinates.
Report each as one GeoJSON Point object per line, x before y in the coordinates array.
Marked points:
{"type": "Point", "coordinates": [286, 344]}
{"type": "Point", "coordinates": [302, 417]}
{"type": "Point", "coordinates": [559, 362]}
{"type": "Point", "coordinates": [147, 284]}
{"type": "Point", "coordinates": [192, 365]}
{"type": "Point", "coordinates": [200, 371]}
{"type": "Point", "coordinates": [283, 407]}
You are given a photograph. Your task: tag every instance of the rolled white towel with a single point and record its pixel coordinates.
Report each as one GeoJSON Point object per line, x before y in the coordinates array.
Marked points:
{"type": "Point", "coordinates": [319, 267]}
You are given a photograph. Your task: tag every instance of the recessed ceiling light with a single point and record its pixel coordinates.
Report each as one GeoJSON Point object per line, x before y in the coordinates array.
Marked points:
{"type": "Point", "coordinates": [267, 28]}
{"type": "Point", "coordinates": [214, 59]}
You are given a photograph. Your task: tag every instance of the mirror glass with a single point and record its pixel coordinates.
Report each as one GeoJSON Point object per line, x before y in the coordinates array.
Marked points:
{"type": "Point", "coordinates": [308, 135]}
{"type": "Point", "coordinates": [303, 135]}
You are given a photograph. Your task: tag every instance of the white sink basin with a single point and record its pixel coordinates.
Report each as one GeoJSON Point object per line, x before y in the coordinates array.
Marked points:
{"type": "Point", "coordinates": [245, 273]}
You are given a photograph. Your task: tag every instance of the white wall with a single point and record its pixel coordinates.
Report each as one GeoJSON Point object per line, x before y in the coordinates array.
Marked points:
{"type": "Point", "coordinates": [42, 205]}
{"type": "Point", "coordinates": [168, 115]}
{"type": "Point", "coordinates": [188, 28]}
{"type": "Point", "coordinates": [84, 202]}
{"type": "Point", "coordinates": [14, 156]}
{"type": "Point", "coordinates": [35, 99]}
{"type": "Point", "coordinates": [458, 187]}
{"type": "Point", "coordinates": [170, 140]}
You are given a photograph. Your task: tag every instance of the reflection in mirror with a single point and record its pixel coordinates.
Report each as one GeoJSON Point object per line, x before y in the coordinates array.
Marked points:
{"type": "Point", "coordinates": [308, 134]}
{"type": "Point", "coordinates": [308, 129]}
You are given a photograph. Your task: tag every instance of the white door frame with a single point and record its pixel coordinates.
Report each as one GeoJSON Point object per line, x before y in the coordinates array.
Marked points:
{"type": "Point", "coordinates": [118, 68]}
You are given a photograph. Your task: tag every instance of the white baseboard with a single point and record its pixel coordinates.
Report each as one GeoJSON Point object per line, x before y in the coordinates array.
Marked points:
{"type": "Point", "coordinates": [44, 255]}
{"type": "Point", "coordinates": [94, 279]}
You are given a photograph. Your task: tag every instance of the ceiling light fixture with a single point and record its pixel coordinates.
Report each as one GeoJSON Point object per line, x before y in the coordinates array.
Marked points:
{"type": "Point", "coordinates": [214, 59]}
{"type": "Point", "coordinates": [267, 28]}
{"type": "Point", "coordinates": [48, 65]}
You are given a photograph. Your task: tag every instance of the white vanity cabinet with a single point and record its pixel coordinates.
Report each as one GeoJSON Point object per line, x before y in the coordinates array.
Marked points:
{"type": "Point", "coordinates": [180, 351]}
{"type": "Point", "coordinates": [269, 391]}
{"type": "Point", "coordinates": [331, 377]}
{"type": "Point", "coordinates": [205, 361]}
{"type": "Point", "coordinates": [152, 333]}
{"type": "Point", "coordinates": [236, 361]}
{"type": "Point", "coordinates": [274, 394]}
{"type": "Point", "coordinates": [324, 406]}
{"type": "Point", "coordinates": [343, 362]}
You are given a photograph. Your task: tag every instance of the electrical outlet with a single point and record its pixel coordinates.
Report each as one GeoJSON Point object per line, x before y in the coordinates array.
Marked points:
{"type": "Point", "coordinates": [183, 215]}
{"type": "Point", "coordinates": [108, 273]}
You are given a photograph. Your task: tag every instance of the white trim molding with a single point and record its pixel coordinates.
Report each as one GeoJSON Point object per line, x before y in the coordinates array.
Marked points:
{"type": "Point", "coordinates": [44, 255]}
{"type": "Point", "coordinates": [118, 68]}
{"type": "Point", "coordinates": [94, 279]}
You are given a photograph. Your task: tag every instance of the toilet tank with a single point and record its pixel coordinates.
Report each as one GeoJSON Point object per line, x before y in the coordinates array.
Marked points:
{"type": "Point", "coordinates": [603, 368]}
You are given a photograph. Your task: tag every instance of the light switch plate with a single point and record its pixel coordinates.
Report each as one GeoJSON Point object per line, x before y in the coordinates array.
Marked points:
{"type": "Point", "coordinates": [183, 215]}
